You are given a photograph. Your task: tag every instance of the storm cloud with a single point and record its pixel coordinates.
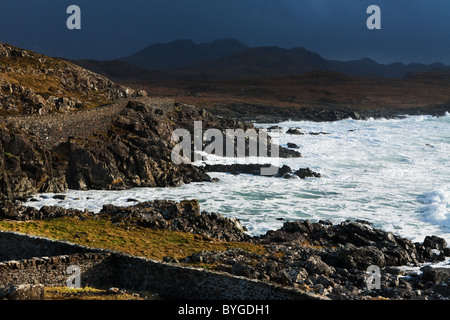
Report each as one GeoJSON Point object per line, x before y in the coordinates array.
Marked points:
{"type": "Point", "coordinates": [412, 30]}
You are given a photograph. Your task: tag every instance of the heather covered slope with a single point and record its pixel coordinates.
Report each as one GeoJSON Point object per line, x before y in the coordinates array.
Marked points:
{"type": "Point", "coordinates": [32, 83]}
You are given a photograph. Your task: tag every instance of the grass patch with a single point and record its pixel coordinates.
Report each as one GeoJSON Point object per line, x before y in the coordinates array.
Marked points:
{"type": "Point", "coordinates": [87, 293]}
{"type": "Point", "coordinates": [9, 155]}
{"type": "Point", "coordinates": [134, 240]}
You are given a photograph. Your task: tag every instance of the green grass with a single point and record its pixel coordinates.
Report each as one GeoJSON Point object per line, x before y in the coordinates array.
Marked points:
{"type": "Point", "coordinates": [130, 239]}
{"type": "Point", "coordinates": [87, 293]}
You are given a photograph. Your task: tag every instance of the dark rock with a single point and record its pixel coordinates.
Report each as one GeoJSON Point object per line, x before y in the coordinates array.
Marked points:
{"type": "Point", "coordinates": [283, 171]}
{"type": "Point", "coordinates": [315, 265]}
{"type": "Point", "coordinates": [294, 131]}
{"type": "Point", "coordinates": [305, 173]}
{"type": "Point", "coordinates": [317, 133]}
{"type": "Point", "coordinates": [434, 242]}
{"type": "Point", "coordinates": [447, 252]}
{"type": "Point", "coordinates": [352, 257]}
{"type": "Point", "coordinates": [435, 275]}
{"type": "Point", "coordinates": [242, 270]}
{"type": "Point", "coordinates": [292, 145]}
{"type": "Point", "coordinates": [182, 216]}
{"type": "Point", "coordinates": [255, 169]}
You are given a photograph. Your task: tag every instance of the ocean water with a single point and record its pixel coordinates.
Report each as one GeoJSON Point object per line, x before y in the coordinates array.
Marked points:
{"type": "Point", "coordinates": [394, 173]}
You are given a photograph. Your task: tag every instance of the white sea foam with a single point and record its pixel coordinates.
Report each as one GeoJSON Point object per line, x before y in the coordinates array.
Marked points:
{"type": "Point", "coordinates": [394, 173]}
{"type": "Point", "coordinates": [437, 206]}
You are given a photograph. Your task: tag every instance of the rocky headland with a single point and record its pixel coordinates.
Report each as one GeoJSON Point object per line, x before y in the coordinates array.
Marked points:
{"type": "Point", "coordinates": [31, 83]}
{"type": "Point", "coordinates": [132, 148]}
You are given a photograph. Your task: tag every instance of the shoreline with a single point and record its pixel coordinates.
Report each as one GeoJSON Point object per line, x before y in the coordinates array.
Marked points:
{"type": "Point", "coordinates": [328, 259]}
{"type": "Point", "coordinates": [252, 113]}
{"type": "Point", "coordinates": [324, 258]}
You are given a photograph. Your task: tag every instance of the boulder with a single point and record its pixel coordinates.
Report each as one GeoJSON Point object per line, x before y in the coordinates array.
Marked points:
{"type": "Point", "coordinates": [315, 265]}
{"type": "Point", "coordinates": [434, 242]}
{"type": "Point", "coordinates": [435, 275]}
{"type": "Point", "coordinates": [352, 257]}
{"type": "Point", "coordinates": [294, 131]}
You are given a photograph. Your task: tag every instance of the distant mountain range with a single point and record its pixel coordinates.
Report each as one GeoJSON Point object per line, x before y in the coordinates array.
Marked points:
{"type": "Point", "coordinates": [181, 54]}
{"type": "Point", "coordinates": [231, 59]}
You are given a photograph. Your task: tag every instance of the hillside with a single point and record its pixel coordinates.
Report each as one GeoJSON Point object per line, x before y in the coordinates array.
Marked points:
{"type": "Point", "coordinates": [32, 83]}
{"type": "Point", "coordinates": [317, 95]}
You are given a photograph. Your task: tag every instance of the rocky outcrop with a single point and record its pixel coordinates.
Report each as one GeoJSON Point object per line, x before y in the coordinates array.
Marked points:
{"type": "Point", "coordinates": [324, 111]}
{"type": "Point", "coordinates": [255, 169]}
{"type": "Point", "coordinates": [357, 244]}
{"type": "Point", "coordinates": [32, 83]}
{"type": "Point", "coordinates": [133, 150]}
{"type": "Point", "coordinates": [10, 210]}
{"type": "Point", "coordinates": [184, 216]}
{"type": "Point", "coordinates": [332, 260]}
{"type": "Point", "coordinates": [26, 167]}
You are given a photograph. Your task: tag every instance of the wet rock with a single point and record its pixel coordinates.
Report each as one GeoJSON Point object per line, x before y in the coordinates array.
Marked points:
{"type": "Point", "coordinates": [256, 169]}
{"type": "Point", "coordinates": [294, 131]}
{"type": "Point", "coordinates": [434, 242]}
{"type": "Point", "coordinates": [305, 173]}
{"type": "Point", "coordinates": [435, 275]}
{"type": "Point", "coordinates": [318, 133]}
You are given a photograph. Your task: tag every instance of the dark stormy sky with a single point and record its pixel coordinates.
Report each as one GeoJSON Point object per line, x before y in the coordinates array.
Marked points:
{"type": "Point", "coordinates": [412, 30]}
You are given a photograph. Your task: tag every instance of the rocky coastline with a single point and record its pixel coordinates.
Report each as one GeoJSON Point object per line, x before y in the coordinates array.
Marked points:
{"type": "Point", "coordinates": [330, 260]}
{"type": "Point", "coordinates": [134, 150]}
{"type": "Point", "coordinates": [325, 112]}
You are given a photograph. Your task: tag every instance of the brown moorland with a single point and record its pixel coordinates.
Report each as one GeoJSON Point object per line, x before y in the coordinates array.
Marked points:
{"type": "Point", "coordinates": [293, 92]}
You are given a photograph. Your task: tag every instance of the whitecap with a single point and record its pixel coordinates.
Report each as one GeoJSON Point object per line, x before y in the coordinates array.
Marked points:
{"type": "Point", "coordinates": [437, 206]}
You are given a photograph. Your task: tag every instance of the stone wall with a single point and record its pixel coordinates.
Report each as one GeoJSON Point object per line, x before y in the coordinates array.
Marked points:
{"type": "Point", "coordinates": [14, 246]}
{"type": "Point", "coordinates": [95, 268]}
{"type": "Point", "coordinates": [33, 263]}
{"type": "Point", "coordinates": [187, 283]}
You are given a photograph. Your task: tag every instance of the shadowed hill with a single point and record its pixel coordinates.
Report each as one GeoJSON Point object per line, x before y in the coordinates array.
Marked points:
{"type": "Point", "coordinates": [231, 59]}
{"type": "Point", "coordinates": [182, 53]}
